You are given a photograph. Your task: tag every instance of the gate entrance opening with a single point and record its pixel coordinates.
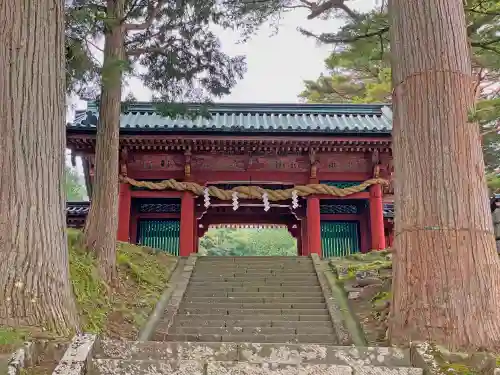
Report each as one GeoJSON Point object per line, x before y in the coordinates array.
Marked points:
{"type": "Point", "coordinates": [247, 240]}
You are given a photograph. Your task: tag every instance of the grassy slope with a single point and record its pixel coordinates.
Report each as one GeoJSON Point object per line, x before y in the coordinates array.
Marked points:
{"type": "Point", "coordinates": [119, 313]}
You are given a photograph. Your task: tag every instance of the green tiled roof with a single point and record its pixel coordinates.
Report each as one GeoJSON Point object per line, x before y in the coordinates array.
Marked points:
{"type": "Point", "coordinates": [252, 118]}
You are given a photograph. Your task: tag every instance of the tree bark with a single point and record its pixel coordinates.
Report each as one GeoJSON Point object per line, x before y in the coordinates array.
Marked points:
{"type": "Point", "coordinates": [102, 222]}
{"type": "Point", "coordinates": [35, 289]}
{"type": "Point", "coordinates": [446, 285]}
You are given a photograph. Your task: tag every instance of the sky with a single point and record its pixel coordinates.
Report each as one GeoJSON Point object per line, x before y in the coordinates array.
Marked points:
{"type": "Point", "coordinates": [277, 65]}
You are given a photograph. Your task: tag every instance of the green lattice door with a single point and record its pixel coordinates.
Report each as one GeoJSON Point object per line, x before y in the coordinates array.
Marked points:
{"type": "Point", "coordinates": [339, 238]}
{"type": "Point", "coordinates": [160, 234]}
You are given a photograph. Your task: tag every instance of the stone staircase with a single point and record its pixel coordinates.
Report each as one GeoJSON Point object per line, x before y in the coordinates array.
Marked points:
{"type": "Point", "coordinates": [252, 299]}
{"type": "Point", "coordinates": [248, 316]}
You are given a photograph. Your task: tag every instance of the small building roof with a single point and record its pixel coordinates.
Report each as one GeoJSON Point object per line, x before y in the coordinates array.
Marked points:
{"type": "Point", "coordinates": [82, 209]}
{"type": "Point", "coordinates": [249, 118]}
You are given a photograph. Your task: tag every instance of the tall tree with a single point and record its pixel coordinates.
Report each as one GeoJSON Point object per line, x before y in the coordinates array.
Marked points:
{"type": "Point", "coordinates": [172, 41]}
{"type": "Point", "coordinates": [446, 286]}
{"type": "Point", "coordinates": [34, 273]}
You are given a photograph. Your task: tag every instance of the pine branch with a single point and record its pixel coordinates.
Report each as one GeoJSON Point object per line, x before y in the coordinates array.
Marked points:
{"type": "Point", "coordinates": [144, 50]}
{"type": "Point", "coordinates": [317, 10]}
{"type": "Point", "coordinates": [333, 39]}
{"type": "Point", "coordinates": [153, 11]}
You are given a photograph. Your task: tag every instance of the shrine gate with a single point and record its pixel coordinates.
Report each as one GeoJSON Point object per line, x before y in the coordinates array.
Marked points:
{"type": "Point", "coordinates": [272, 146]}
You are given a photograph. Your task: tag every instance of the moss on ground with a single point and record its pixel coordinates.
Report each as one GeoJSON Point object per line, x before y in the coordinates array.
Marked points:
{"type": "Point", "coordinates": [347, 267]}
{"type": "Point", "coordinates": [11, 339]}
{"type": "Point", "coordinates": [142, 276]}
{"type": "Point", "coordinates": [117, 312]}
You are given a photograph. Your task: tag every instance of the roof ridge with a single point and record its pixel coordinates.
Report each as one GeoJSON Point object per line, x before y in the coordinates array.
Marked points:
{"type": "Point", "coordinates": [316, 108]}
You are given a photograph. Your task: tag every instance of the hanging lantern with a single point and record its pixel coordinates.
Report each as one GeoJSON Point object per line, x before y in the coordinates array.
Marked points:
{"type": "Point", "coordinates": [235, 200]}
{"type": "Point", "coordinates": [265, 199]}
{"type": "Point", "coordinates": [295, 199]}
{"type": "Point", "coordinates": [206, 197]}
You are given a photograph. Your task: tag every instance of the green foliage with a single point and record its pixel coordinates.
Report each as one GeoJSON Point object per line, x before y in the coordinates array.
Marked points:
{"type": "Point", "coordinates": [75, 191]}
{"type": "Point", "coordinates": [493, 182]}
{"type": "Point", "coordinates": [183, 59]}
{"type": "Point", "coordinates": [359, 67]}
{"type": "Point", "coordinates": [238, 242]}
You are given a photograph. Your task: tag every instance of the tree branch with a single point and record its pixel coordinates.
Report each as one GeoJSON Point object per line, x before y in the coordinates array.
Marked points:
{"type": "Point", "coordinates": [332, 39]}
{"type": "Point", "coordinates": [142, 51]}
{"type": "Point", "coordinates": [152, 13]}
{"type": "Point", "coordinates": [317, 10]}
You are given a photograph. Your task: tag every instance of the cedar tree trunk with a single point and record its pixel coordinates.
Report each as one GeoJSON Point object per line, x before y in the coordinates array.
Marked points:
{"type": "Point", "coordinates": [446, 286]}
{"type": "Point", "coordinates": [35, 289]}
{"type": "Point", "coordinates": [102, 222]}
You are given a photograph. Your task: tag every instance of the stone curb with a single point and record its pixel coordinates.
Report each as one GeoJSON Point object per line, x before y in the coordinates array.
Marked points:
{"type": "Point", "coordinates": [147, 330]}
{"type": "Point", "coordinates": [76, 359]}
{"type": "Point", "coordinates": [341, 331]}
{"type": "Point", "coordinates": [22, 358]}
{"type": "Point", "coordinates": [351, 322]}
{"type": "Point", "coordinates": [180, 285]}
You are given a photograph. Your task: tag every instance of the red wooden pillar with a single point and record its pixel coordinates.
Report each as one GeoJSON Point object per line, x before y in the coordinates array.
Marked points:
{"type": "Point", "coordinates": [365, 232]}
{"type": "Point", "coordinates": [196, 240]}
{"type": "Point", "coordinates": [304, 240]}
{"type": "Point", "coordinates": [377, 218]}
{"type": "Point", "coordinates": [187, 225]}
{"type": "Point", "coordinates": [314, 225]}
{"type": "Point", "coordinates": [124, 204]}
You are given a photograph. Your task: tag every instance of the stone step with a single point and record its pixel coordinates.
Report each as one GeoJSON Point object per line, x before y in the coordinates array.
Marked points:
{"type": "Point", "coordinates": [256, 299]}
{"type": "Point", "coordinates": [249, 271]}
{"type": "Point", "coordinates": [278, 317]}
{"type": "Point", "coordinates": [255, 258]}
{"type": "Point", "coordinates": [196, 293]}
{"type": "Point", "coordinates": [255, 338]}
{"type": "Point", "coordinates": [249, 276]}
{"type": "Point", "coordinates": [194, 321]}
{"type": "Point", "coordinates": [278, 353]}
{"type": "Point", "coordinates": [228, 304]}
{"type": "Point", "coordinates": [254, 266]}
{"type": "Point", "coordinates": [253, 289]}
{"type": "Point", "coordinates": [250, 312]}
{"type": "Point", "coordinates": [218, 270]}
{"type": "Point", "coordinates": [195, 367]}
{"type": "Point", "coordinates": [258, 272]}
{"type": "Point", "coordinates": [256, 281]}
{"type": "Point", "coordinates": [249, 330]}
{"type": "Point", "coordinates": [212, 284]}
